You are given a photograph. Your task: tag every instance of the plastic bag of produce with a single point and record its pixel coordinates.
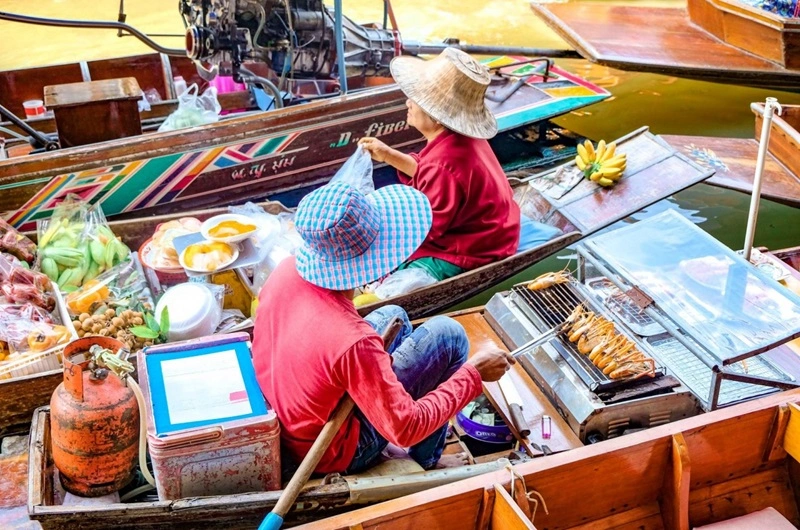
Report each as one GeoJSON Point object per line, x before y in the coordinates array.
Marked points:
{"type": "Point", "coordinates": [120, 288]}
{"type": "Point", "coordinates": [27, 311]}
{"type": "Point", "coordinates": [16, 244]}
{"type": "Point", "coordinates": [19, 285]}
{"type": "Point", "coordinates": [357, 172]}
{"type": "Point", "coordinates": [23, 336]}
{"type": "Point", "coordinates": [403, 282]}
{"type": "Point", "coordinates": [76, 244]}
{"type": "Point", "coordinates": [193, 110]}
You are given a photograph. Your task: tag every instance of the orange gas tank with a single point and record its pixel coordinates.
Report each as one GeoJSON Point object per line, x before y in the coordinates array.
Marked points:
{"type": "Point", "coordinates": [94, 424]}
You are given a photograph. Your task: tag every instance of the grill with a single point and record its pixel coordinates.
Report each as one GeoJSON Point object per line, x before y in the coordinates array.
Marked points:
{"type": "Point", "coordinates": [697, 376]}
{"type": "Point", "coordinates": [552, 306]}
{"type": "Point", "coordinates": [622, 306]}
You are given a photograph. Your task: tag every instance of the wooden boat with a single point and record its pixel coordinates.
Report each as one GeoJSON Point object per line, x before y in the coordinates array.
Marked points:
{"type": "Point", "coordinates": [252, 156]}
{"type": "Point", "coordinates": [687, 474]}
{"type": "Point", "coordinates": [734, 159]}
{"type": "Point", "coordinates": [712, 40]}
{"type": "Point", "coordinates": [655, 171]}
{"type": "Point", "coordinates": [749, 468]}
{"type": "Point", "coordinates": [244, 511]}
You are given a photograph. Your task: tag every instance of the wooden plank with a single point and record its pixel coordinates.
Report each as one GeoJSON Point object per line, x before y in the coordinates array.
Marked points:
{"type": "Point", "coordinates": [535, 403]}
{"type": "Point", "coordinates": [791, 440]}
{"type": "Point", "coordinates": [635, 38]}
{"type": "Point", "coordinates": [740, 496]}
{"type": "Point", "coordinates": [775, 451]}
{"type": "Point", "coordinates": [646, 517]}
{"type": "Point", "coordinates": [506, 515]}
{"type": "Point", "coordinates": [485, 514]}
{"type": "Point", "coordinates": [71, 94]}
{"type": "Point", "coordinates": [675, 490]}
{"type": "Point", "coordinates": [734, 162]}
{"type": "Point", "coordinates": [20, 397]}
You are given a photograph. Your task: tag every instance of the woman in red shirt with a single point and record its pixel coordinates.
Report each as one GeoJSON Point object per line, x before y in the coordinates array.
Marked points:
{"type": "Point", "coordinates": [475, 218]}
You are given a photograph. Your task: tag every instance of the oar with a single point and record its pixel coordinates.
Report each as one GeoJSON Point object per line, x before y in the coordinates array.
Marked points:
{"type": "Point", "coordinates": [274, 519]}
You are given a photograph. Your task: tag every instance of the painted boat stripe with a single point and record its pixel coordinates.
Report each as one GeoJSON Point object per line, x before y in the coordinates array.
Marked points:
{"type": "Point", "coordinates": [133, 187]}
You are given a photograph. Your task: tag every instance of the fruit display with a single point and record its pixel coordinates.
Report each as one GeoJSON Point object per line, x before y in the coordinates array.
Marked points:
{"type": "Point", "coordinates": [16, 244]}
{"type": "Point", "coordinates": [70, 257]}
{"type": "Point", "coordinates": [162, 252]}
{"type": "Point", "coordinates": [208, 256]}
{"type": "Point", "coordinates": [110, 323]}
{"type": "Point", "coordinates": [231, 228]}
{"type": "Point", "coordinates": [601, 164]}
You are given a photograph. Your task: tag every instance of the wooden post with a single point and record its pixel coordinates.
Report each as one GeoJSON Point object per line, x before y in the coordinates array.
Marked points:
{"type": "Point", "coordinates": [506, 515]}
{"type": "Point", "coordinates": [674, 499]}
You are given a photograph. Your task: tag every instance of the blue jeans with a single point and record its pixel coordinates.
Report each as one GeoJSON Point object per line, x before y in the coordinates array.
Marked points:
{"type": "Point", "coordinates": [422, 359]}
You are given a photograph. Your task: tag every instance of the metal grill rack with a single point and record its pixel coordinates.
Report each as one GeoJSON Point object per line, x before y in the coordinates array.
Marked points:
{"type": "Point", "coordinates": [698, 377]}
{"type": "Point", "coordinates": [618, 303]}
{"type": "Point", "coordinates": [552, 306]}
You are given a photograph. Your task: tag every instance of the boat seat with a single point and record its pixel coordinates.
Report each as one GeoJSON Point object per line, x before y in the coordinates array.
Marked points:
{"type": "Point", "coordinates": [766, 518]}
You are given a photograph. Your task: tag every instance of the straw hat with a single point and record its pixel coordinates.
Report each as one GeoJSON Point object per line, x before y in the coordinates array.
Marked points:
{"type": "Point", "coordinates": [351, 239]}
{"type": "Point", "coordinates": [450, 88]}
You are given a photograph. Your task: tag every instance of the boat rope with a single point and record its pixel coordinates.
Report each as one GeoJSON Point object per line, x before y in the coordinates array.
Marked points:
{"type": "Point", "coordinates": [533, 496]}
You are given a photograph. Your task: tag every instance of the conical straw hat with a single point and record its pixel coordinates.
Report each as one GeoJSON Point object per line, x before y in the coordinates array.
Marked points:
{"type": "Point", "coordinates": [450, 88]}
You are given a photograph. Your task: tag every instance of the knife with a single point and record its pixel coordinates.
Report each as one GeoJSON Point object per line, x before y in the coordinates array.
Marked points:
{"type": "Point", "coordinates": [514, 402]}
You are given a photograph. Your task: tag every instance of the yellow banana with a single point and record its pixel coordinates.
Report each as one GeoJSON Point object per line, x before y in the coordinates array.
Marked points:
{"type": "Point", "coordinates": [616, 161]}
{"type": "Point", "coordinates": [605, 182]}
{"type": "Point", "coordinates": [594, 177]}
{"type": "Point", "coordinates": [591, 155]}
{"type": "Point", "coordinates": [582, 154]}
{"type": "Point", "coordinates": [580, 163]}
{"type": "Point", "coordinates": [609, 171]}
{"type": "Point", "coordinates": [609, 152]}
{"type": "Point", "coordinates": [600, 150]}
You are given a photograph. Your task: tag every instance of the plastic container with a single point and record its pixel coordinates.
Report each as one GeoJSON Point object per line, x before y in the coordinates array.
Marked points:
{"type": "Point", "coordinates": [36, 363]}
{"type": "Point", "coordinates": [33, 108]}
{"type": "Point", "coordinates": [193, 311]}
{"type": "Point", "coordinates": [227, 458]}
{"type": "Point", "coordinates": [497, 434]}
{"type": "Point", "coordinates": [180, 85]}
{"type": "Point", "coordinates": [167, 277]}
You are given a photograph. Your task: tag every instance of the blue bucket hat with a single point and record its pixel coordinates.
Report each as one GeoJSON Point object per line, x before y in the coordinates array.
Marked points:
{"type": "Point", "coordinates": [351, 239]}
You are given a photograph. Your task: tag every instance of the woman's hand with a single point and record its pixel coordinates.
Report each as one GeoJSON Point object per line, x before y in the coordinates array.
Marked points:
{"type": "Point", "coordinates": [378, 150]}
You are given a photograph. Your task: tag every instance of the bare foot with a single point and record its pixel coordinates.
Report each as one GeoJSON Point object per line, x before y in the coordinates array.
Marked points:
{"type": "Point", "coordinates": [456, 460]}
{"type": "Point", "coordinates": [392, 451]}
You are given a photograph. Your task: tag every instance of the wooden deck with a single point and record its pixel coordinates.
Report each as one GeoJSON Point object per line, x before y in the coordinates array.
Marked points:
{"type": "Point", "coordinates": [658, 40]}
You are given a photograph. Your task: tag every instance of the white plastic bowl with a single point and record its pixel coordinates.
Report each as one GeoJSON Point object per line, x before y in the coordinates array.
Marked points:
{"type": "Point", "coordinates": [182, 258]}
{"type": "Point", "coordinates": [193, 311]}
{"type": "Point", "coordinates": [208, 224]}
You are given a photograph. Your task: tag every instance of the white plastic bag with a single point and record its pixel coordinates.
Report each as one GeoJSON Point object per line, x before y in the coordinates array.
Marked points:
{"type": "Point", "coordinates": [193, 110]}
{"type": "Point", "coordinates": [357, 172]}
{"type": "Point", "coordinates": [403, 282]}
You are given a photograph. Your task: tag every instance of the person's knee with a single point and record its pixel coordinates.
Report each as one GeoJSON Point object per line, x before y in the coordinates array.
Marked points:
{"type": "Point", "coordinates": [451, 337]}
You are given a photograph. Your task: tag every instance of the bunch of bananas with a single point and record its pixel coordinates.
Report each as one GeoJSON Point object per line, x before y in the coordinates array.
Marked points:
{"type": "Point", "coordinates": [601, 164]}
{"type": "Point", "coordinates": [70, 257]}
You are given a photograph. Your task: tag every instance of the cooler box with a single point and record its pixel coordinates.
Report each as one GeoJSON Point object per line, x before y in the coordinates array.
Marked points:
{"type": "Point", "coordinates": [209, 429]}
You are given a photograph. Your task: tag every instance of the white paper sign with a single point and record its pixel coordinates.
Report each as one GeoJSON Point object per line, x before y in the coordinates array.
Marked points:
{"type": "Point", "coordinates": [205, 387]}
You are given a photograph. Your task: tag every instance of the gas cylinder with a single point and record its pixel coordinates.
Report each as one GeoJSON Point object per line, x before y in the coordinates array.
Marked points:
{"type": "Point", "coordinates": [94, 424]}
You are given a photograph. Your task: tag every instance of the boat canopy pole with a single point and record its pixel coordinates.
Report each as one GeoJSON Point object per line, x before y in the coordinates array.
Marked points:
{"type": "Point", "coordinates": [769, 110]}
{"type": "Point", "coordinates": [337, 8]}
{"type": "Point", "coordinates": [92, 24]}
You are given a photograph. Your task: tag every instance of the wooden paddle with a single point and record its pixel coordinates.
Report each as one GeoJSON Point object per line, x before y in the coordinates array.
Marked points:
{"type": "Point", "coordinates": [274, 519]}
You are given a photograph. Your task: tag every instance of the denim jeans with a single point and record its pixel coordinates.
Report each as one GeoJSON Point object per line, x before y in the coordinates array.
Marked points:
{"type": "Point", "coordinates": [422, 359]}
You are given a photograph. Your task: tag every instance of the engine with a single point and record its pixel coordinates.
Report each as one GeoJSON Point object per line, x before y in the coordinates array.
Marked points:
{"type": "Point", "coordinates": [294, 38]}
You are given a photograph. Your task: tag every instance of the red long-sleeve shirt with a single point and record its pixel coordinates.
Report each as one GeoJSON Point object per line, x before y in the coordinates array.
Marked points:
{"type": "Point", "coordinates": [311, 346]}
{"type": "Point", "coordinates": [475, 218]}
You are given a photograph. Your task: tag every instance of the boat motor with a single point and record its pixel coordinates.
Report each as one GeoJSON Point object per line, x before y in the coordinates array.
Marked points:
{"type": "Point", "coordinates": [296, 37]}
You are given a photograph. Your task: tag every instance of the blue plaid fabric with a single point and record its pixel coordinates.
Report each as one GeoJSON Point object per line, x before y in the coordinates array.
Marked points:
{"type": "Point", "coordinates": [351, 239]}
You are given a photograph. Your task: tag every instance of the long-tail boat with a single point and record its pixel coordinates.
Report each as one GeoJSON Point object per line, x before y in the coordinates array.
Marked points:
{"type": "Point", "coordinates": [655, 171]}
{"type": "Point", "coordinates": [255, 155]}
{"type": "Point", "coordinates": [734, 159]}
{"type": "Point", "coordinates": [748, 466]}
{"type": "Point", "coordinates": [707, 469]}
{"type": "Point", "coordinates": [727, 41]}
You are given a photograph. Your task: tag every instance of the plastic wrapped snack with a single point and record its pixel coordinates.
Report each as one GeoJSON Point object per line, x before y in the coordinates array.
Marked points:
{"type": "Point", "coordinates": [15, 243]}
